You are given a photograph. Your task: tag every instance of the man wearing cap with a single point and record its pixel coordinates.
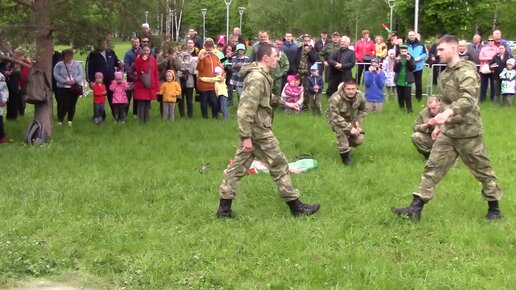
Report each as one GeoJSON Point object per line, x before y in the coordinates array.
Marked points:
{"type": "Point", "coordinates": [458, 133]}
{"type": "Point", "coordinates": [325, 53]}
{"type": "Point", "coordinates": [341, 62]}
{"type": "Point", "coordinates": [346, 110]}
{"type": "Point", "coordinates": [422, 136]}
{"type": "Point", "coordinates": [306, 56]}
{"type": "Point", "coordinates": [417, 50]}
{"type": "Point", "coordinates": [206, 63]}
{"type": "Point", "coordinates": [365, 51]}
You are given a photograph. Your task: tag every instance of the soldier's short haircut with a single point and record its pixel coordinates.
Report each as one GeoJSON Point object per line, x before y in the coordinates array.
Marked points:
{"type": "Point", "coordinates": [263, 50]}
{"type": "Point", "coordinates": [451, 39]}
{"type": "Point", "coordinates": [432, 99]}
{"type": "Point", "coordinates": [349, 82]}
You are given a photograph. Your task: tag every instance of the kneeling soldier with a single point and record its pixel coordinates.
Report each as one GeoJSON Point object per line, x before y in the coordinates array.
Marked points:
{"type": "Point", "coordinates": [346, 109]}
{"type": "Point", "coordinates": [422, 137]}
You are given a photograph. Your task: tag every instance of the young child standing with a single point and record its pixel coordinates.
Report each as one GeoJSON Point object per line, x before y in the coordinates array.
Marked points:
{"type": "Point", "coordinates": [99, 98]}
{"type": "Point", "coordinates": [119, 86]}
{"type": "Point", "coordinates": [171, 91]}
{"type": "Point", "coordinates": [508, 78]}
{"type": "Point", "coordinates": [388, 70]}
{"type": "Point", "coordinates": [374, 80]}
{"type": "Point", "coordinates": [293, 92]}
{"type": "Point", "coordinates": [315, 88]}
{"type": "Point", "coordinates": [4, 97]}
{"type": "Point", "coordinates": [221, 89]}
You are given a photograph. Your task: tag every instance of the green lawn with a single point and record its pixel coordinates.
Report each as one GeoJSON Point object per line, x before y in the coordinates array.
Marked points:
{"type": "Point", "coordinates": [123, 207]}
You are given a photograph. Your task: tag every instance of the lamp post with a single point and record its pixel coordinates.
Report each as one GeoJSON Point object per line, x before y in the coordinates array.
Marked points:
{"type": "Point", "coordinates": [228, 2]}
{"type": "Point", "coordinates": [241, 12]}
{"type": "Point", "coordinates": [203, 13]}
{"type": "Point", "coordinates": [391, 4]}
{"type": "Point", "coordinates": [416, 17]}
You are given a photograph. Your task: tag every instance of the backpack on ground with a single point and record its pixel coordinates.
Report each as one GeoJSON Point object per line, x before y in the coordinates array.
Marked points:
{"type": "Point", "coordinates": [34, 133]}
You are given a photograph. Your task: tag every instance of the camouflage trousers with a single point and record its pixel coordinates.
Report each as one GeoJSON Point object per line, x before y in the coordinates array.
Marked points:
{"type": "Point", "coordinates": [277, 86]}
{"type": "Point", "coordinates": [266, 150]}
{"type": "Point", "coordinates": [472, 152]}
{"type": "Point", "coordinates": [423, 142]}
{"type": "Point", "coordinates": [345, 141]}
{"type": "Point", "coordinates": [303, 80]}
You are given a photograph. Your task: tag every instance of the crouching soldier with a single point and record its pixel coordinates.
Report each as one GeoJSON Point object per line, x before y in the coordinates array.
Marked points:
{"type": "Point", "coordinates": [346, 109]}
{"type": "Point", "coordinates": [423, 137]}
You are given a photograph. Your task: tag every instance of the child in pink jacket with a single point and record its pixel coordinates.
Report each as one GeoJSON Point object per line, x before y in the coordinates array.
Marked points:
{"type": "Point", "coordinates": [118, 87]}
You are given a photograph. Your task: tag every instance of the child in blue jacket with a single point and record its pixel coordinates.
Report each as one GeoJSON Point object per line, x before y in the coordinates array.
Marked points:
{"type": "Point", "coordinates": [374, 81]}
{"type": "Point", "coordinates": [315, 88]}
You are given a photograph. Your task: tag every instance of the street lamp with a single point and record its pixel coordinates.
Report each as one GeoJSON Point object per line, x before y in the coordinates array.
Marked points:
{"type": "Point", "coordinates": [416, 16]}
{"type": "Point", "coordinates": [391, 4]}
{"type": "Point", "coordinates": [241, 12]}
{"type": "Point", "coordinates": [203, 13]}
{"type": "Point", "coordinates": [228, 2]}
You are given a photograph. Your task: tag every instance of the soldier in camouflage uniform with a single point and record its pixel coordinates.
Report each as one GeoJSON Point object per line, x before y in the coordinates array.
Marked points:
{"type": "Point", "coordinates": [459, 133]}
{"type": "Point", "coordinates": [422, 136]}
{"type": "Point", "coordinates": [257, 139]}
{"type": "Point", "coordinates": [325, 53]}
{"type": "Point", "coordinates": [279, 73]}
{"type": "Point", "coordinates": [346, 110]}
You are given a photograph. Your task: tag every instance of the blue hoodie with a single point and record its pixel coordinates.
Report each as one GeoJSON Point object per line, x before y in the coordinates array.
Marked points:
{"type": "Point", "coordinates": [374, 83]}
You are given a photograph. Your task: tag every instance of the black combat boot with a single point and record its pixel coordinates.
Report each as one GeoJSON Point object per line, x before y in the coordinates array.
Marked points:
{"type": "Point", "coordinates": [297, 208]}
{"type": "Point", "coordinates": [346, 158]}
{"type": "Point", "coordinates": [413, 211]}
{"type": "Point", "coordinates": [493, 213]}
{"type": "Point", "coordinates": [224, 210]}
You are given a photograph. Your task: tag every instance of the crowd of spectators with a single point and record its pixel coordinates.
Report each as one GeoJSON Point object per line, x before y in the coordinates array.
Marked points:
{"type": "Point", "coordinates": [319, 65]}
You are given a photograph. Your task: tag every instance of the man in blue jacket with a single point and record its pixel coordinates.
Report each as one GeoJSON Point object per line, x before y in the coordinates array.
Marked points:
{"type": "Point", "coordinates": [417, 50]}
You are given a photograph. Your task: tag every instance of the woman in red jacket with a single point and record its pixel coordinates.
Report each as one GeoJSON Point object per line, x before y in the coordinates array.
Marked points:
{"type": "Point", "coordinates": [365, 51]}
{"type": "Point", "coordinates": [144, 92]}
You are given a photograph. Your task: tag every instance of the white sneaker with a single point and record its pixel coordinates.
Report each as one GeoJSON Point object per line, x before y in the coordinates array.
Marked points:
{"type": "Point", "coordinates": [69, 123]}
{"type": "Point", "coordinates": [59, 124]}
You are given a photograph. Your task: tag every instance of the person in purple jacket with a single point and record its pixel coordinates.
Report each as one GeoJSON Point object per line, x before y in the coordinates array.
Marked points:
{"type": "Point", "coordinates": [374, 80]}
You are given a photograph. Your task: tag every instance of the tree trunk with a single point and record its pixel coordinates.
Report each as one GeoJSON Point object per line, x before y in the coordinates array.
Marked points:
{"type": "Point", "coordinates": [43, 61]}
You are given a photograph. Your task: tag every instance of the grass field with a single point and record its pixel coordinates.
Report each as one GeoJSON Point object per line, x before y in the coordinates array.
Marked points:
{"type": "Point", "coordinates": [123, 207]}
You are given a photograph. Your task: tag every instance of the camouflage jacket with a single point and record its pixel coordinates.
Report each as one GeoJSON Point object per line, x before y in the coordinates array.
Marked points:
{"type": "Point", "coordinates": [254, 110]}
{"type": "Point", "coordinates": [327, 51]}
{"type": "Point", "coordinates": [420, 124]}
{"type": "Point", "coordinates": [343, 112]}
{"type": "Point", "coordinates": [460, 91]}
{"type": "Point", "coordinates": [282, 67]}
